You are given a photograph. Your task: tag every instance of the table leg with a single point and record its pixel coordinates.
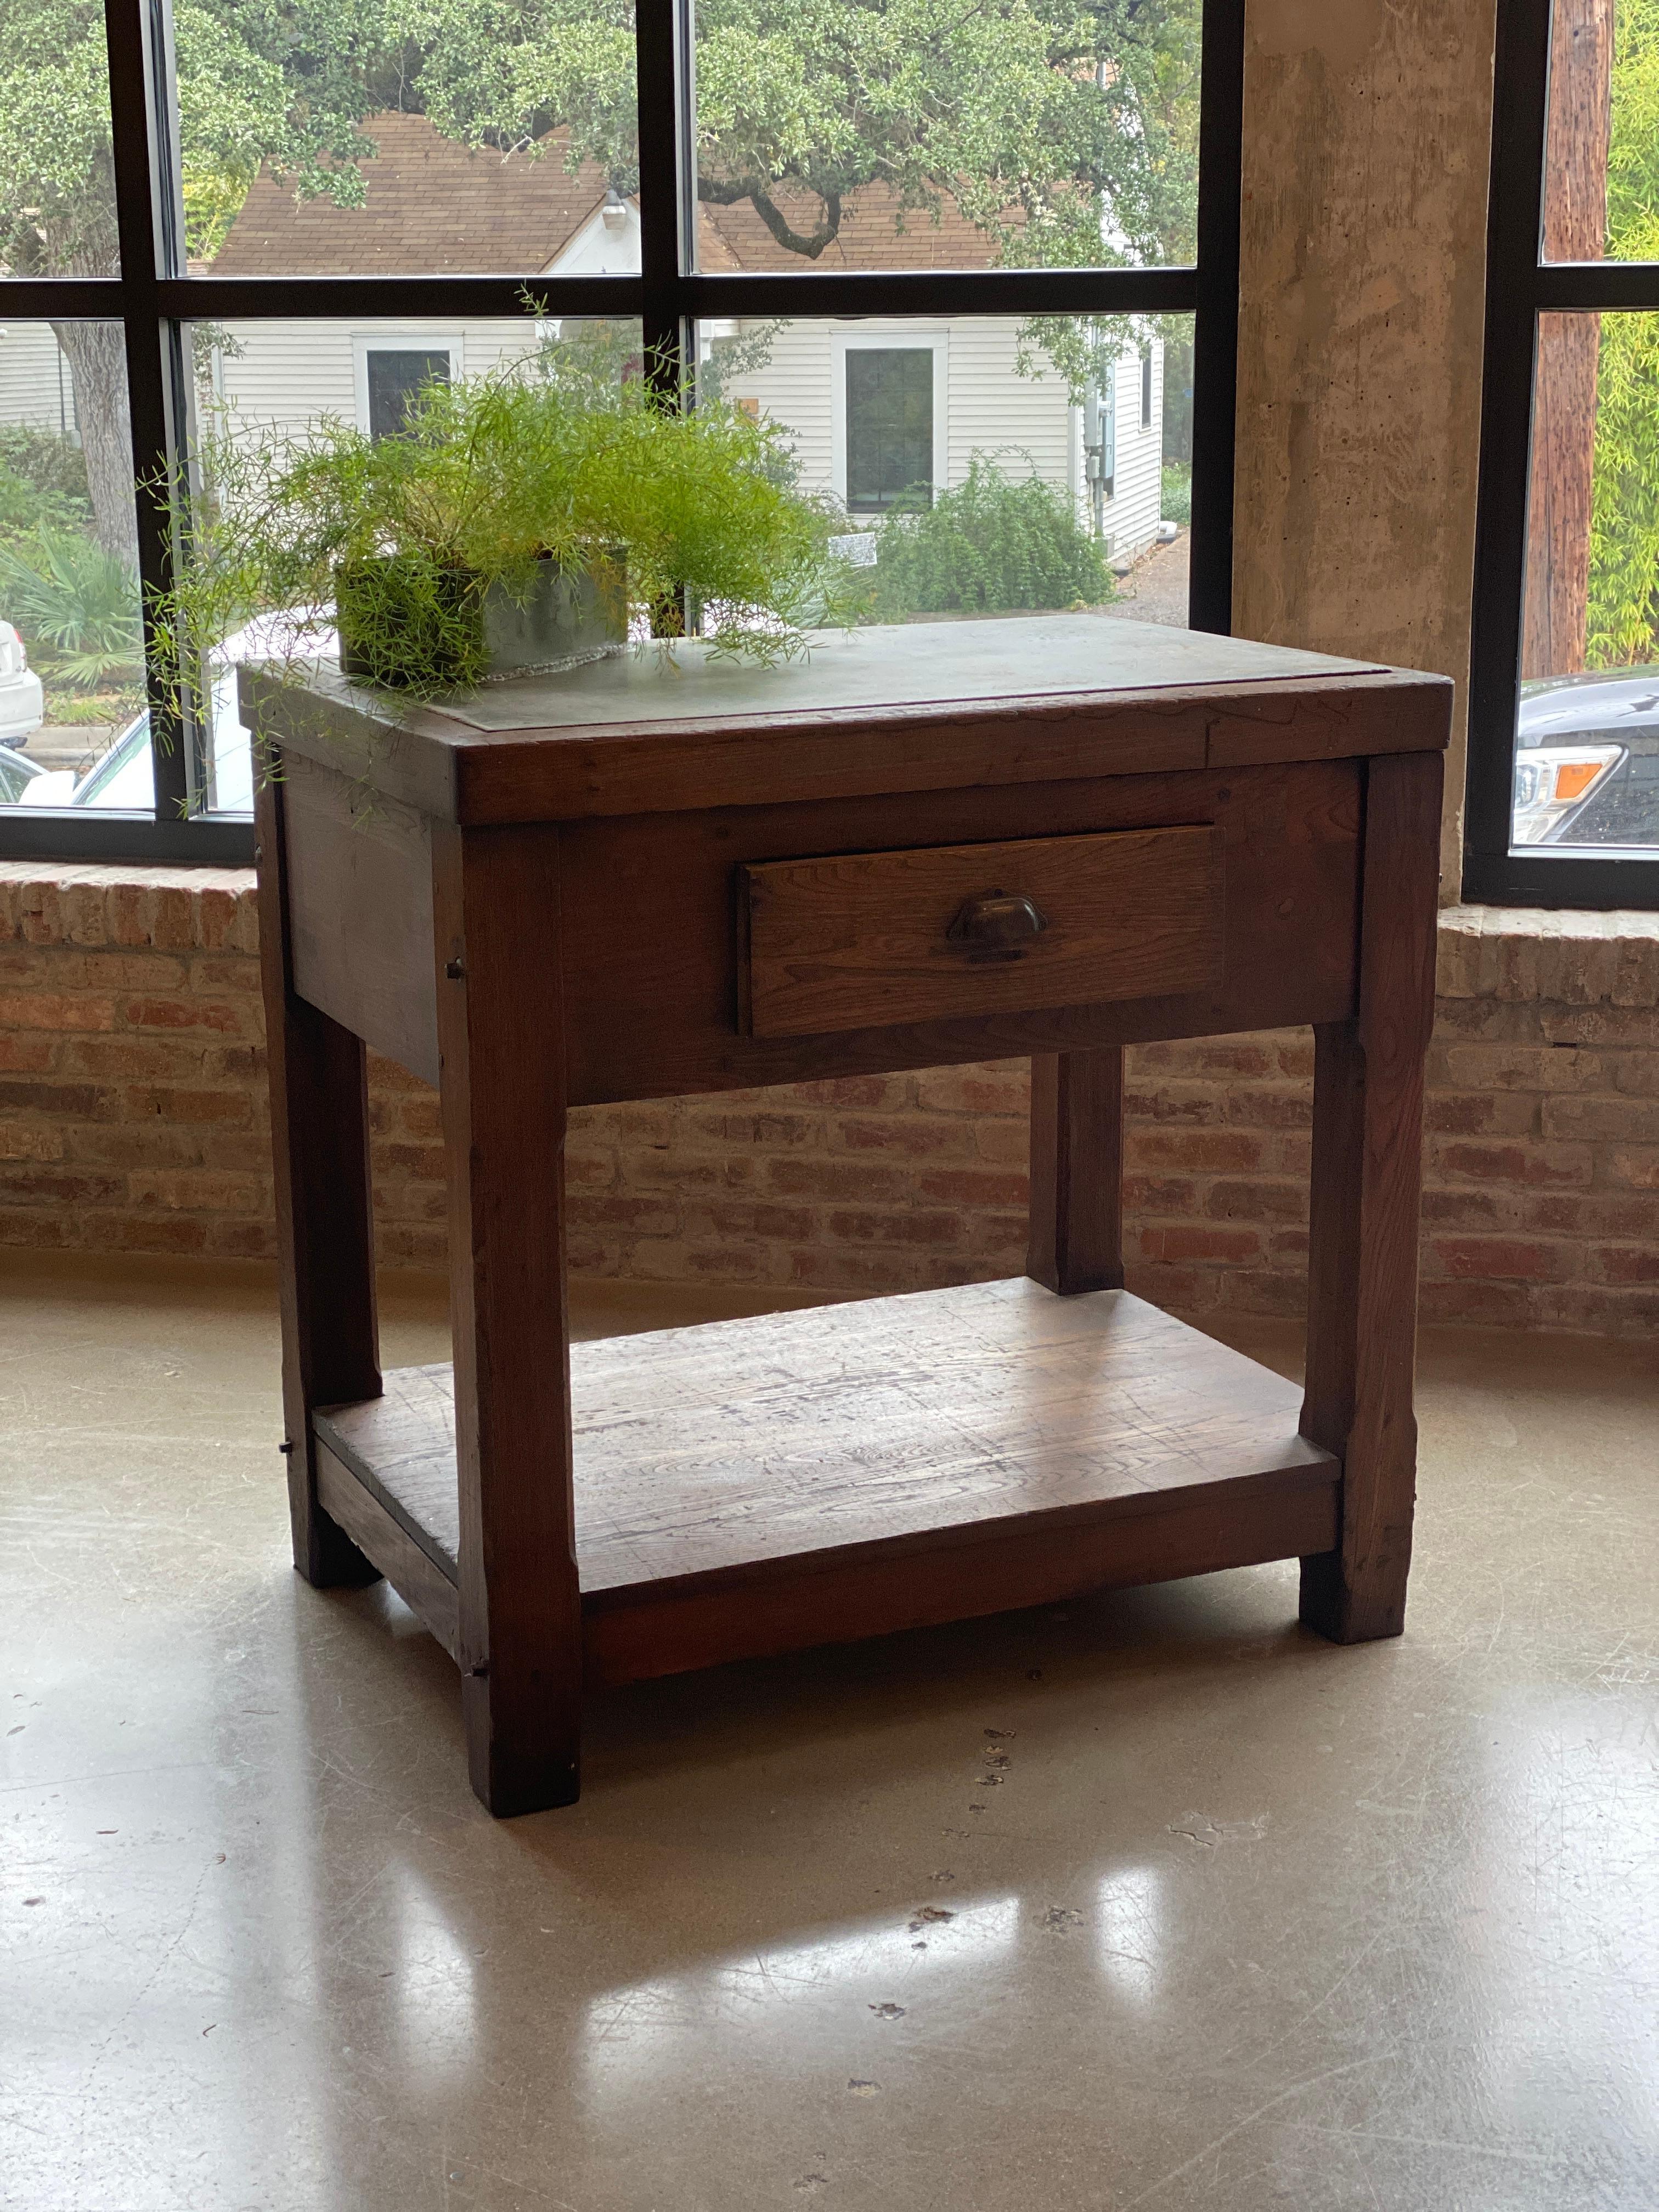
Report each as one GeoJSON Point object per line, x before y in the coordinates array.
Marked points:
{"type": "Point", "coordinates": [500, 1032]}
{"type": "Point", "coordinates": [325, 1222]}
{"type": "Point", "coordinates": [1077, 1170]}
{"type": "Point", "coordinates": [1366, 1185]}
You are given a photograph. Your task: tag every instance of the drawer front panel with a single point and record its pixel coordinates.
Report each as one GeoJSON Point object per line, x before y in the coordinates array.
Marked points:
{"type": "Point", "coordinates": [858, 940]}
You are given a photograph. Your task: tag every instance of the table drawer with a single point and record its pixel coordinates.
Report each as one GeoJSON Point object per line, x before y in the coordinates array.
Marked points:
{"type": "Point", "coordinates": [860, 940]}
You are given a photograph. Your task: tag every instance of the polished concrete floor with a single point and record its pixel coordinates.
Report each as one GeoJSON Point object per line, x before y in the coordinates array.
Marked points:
{"type": "Point", "coordinates": [1150, 1902]}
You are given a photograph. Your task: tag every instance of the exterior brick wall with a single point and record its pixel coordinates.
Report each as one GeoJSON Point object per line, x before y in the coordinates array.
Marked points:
{"type": "Point", "coordinates": [133, 1119]}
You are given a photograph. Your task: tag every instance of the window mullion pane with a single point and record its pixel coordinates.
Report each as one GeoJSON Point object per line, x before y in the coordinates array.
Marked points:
{"type": "Point", "coordinates": [147, 196]}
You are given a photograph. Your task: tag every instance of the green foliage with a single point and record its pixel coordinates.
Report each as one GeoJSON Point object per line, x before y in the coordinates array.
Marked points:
{"type": "Point", "coordinates": [491, 474]}
{"type": "Point", "coordinates": [42, 484]}
{"type": "Point", "coordinates": [1624, 579]}
{"type": "Point", "coordinates": [76, 606]}
{"type": "Point", "coordinates": [1067, 129]}
{"type": "Point", "coordinates": [992, 543]}
{"type": "Point", "coordinates": [1040, 115]}
{"type": "Point", "coordinates": [1177, 494]}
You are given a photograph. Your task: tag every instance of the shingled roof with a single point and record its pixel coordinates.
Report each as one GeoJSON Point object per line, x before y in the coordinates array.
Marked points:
{"type": "Point", "coordinates": [433, 207]}
{"type": "Point", "coordinates": [877, 231]}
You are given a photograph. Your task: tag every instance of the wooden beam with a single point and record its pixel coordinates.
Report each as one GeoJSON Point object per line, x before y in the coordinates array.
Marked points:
{"type": "Point", "coordinates": [1365, 1188]}
{"type": "Point", "coordinates": [1076, 1172]}
{"type": "Point", "coordinates": [501, 1031]}
{"type": "Point", "coordinates": [325, 1226]}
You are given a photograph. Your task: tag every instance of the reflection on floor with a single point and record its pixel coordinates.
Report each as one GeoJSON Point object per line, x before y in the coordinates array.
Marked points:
{"type": "Point", "coordinates": [1148, 1902]}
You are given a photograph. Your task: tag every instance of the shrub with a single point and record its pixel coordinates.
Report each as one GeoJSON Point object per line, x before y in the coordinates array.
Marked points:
{"type": "Point", "coordinates": [43, 483]}
{"type": "Point", "coordinates": [1177, 498]}
{"type": "Point", "coordinates": [992, 544]}
{"type": "Point", "coordinates": [76, 606]}
{"type": "Point", "coordinates": [563, 455]}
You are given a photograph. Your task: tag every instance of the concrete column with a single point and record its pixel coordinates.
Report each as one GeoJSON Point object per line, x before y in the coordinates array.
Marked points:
{"type": "Point", "coordinates": [1367, 130]}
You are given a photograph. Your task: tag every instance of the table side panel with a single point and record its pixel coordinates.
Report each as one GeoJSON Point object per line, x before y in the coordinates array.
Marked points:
{"type": "Point", "coordinates": [360, 893]}
{"type": "Point", "coordinates": [651, 935]}
{"type": "Point", "coordinates": [426, 1586]}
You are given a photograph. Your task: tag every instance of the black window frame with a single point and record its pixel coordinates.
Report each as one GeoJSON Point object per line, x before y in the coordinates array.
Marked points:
{"type": "Point", "coordinates": [1520, 285]}
{"type": "Point", "coordinates": [156, 299]}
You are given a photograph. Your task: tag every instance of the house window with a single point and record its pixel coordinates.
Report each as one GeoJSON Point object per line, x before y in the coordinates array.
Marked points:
{"type": "Point", "coordinates": [1564, 698]}
{"type": "Point", "coordinates": [889, 428]}
{"type": "Point", "coordinates": [1147, 389]}
{"type": "Point", "coordinates": [394, 381]}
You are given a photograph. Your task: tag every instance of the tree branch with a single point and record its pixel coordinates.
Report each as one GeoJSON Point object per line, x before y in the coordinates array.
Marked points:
{"type": "Point", "coordinates": [809, 243]}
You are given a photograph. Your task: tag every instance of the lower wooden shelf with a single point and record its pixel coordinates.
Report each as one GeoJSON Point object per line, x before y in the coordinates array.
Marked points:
{"type": "Point", "coordinates": [761, 1485]}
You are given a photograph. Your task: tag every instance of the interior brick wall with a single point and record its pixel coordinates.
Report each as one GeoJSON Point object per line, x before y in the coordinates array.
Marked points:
{"type": "Point", "coordinates": [133, 1119]}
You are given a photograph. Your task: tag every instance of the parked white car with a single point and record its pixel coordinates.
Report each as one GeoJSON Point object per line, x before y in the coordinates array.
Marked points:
{"type": "Point", "coordinates": [22, 702]}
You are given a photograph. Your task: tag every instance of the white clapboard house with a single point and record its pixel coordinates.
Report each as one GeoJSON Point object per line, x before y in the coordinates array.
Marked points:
{"type": "Point", "coordinates": [873, 408]}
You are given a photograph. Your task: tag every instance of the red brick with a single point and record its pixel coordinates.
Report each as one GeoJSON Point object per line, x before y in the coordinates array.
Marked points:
{"type": "Point", "coordinates": [1474, 1114]}
{"type": "Point", "coordinates": [33, 1231]}
{"type": "Point", "coordinates": [1259, 1289]}
{"type": "Point", "coordinates": [83, 1102]}
{"type": "Point", "coordinates": [1221, 1151]}
{"type": "Point", "coordinates": [1193, 1105]}
{"type": "Point", "coordinates": [213, 1014]}
{"type": "Point", "coordinates": [1186, 1290]}
{"type": "Point", "coordinates": [1601, 1120]}
{"type": "Point", "coordinates": [1502, 1258]}
{"type": "Point", "coordinates": [1008, 1144]}
{"type": "Point", "coordinates": [937, 1229]}
{"type": "Point", "coordinates": [1533, 1164]}
{"type": "Point", "coordinates": [836, 1178]}
{"type": "Point", "coordinates": [1199, 1242]}
{"type": "Point", "coordinates": [972, 1188]}
{"type": "Point", "coordinates": [242, 1240]}
{"type": "Point", "coordinates": [427, 1162]}
{"type": "Point", "coordinates": [189, 1105]}
{"type": "Point", "coordinates": [1269, 1110]}
{"type": "Point", "coordinates": [855, 1271]}
{"type": "Point", "coordinates": [914, 1138]}
{"type": "Point", "coordinates": [646, 1217]}
{"type": "Point", "coordinates": [1466, 1209]}
{"type": "Point", "coordinates": [121, 1054]}
{"type": "Point", "coordinates": [1257, 1202]}
{"type": "Point", "coordinates": [1159, 1194]}
{"type": "Point", "coordinates": [761, 1128]}
{"type": "Point", "coordinates": [26, 1055]}
{"type": "Point", "coordinates": [56, 1010]}
{"type": "Point", "coordinates": [144, 1232]}
{"type": "Point", "coordinates": [789, 1224]}
{"type": "Point", "coordinates": [1489, 1305]}
{"type": "Point", "coordinates": [974, 1089]}
{"type": "Point", "coordinates": [1626, 1263]}
{"type": "Point", "coordinates": [19, 1142]}
{"type": "Point", "coordinates": [854, 1090]}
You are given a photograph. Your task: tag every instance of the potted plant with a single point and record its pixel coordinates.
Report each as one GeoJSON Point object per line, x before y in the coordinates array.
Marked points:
{"type": "Point", "coordinates": [520, 521]}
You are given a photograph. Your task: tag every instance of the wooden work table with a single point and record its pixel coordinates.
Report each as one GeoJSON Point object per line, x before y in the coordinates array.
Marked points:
{"type": "Point", "coordinates": [924, 845]}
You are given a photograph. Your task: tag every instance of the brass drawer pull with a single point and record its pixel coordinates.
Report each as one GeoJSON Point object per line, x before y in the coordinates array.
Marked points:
{"type": "Point", "coordinates": [997, 925]}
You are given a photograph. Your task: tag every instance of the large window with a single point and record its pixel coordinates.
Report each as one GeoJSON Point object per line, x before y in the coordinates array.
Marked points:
{"type": "Point", "coordinates": [978, 267]}
{"type": "Point", "coordinates": [1564, 783]}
